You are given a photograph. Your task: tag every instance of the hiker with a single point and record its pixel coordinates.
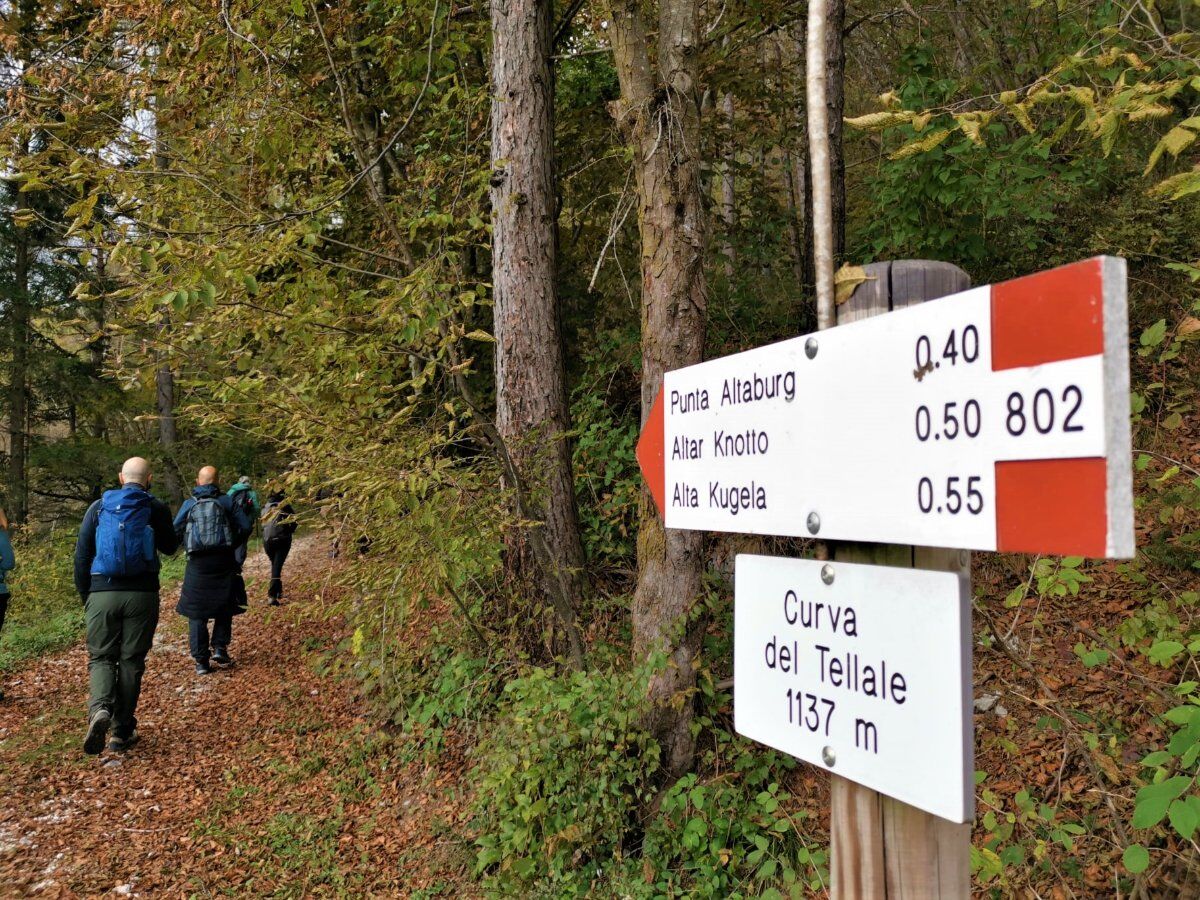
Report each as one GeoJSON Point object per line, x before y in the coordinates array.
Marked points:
{"type": "Point", "coordinates": [246, 499]}
{"type": "Point", "coordinates": [279, 524]}
{"type": "Point", "coordinates": [116, 575]}
{"type": "Point", "coordinates": [7, 563]}
{"type": "Point", "coordinates": [210, 527]}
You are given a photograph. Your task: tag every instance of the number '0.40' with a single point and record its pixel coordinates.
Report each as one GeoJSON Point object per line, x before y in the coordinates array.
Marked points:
{"type": "Point", "coordinates": [964, 343]}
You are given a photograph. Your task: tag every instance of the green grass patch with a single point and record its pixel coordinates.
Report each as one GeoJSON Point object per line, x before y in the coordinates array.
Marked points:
{"type": "Point", "coordinates": [45, 614]}
{"type": "Point", "coordinates": [54, 736]}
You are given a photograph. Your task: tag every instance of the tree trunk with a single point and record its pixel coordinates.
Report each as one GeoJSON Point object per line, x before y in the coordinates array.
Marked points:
{"type": "Point", "coordinates": [789, 51]}
{"type": "Point", "coordinates": [164, 383]}
{"type": "Point", "coordinates": [728, 209]}
{"type": "Point", "coordinates": [18, 385]}
{"type": "Point", "coordinates": [532, 415]}
{"type": "Point", "coordinates": [660, 114]}
{"type": "Point", "coordinates": [835, 103]}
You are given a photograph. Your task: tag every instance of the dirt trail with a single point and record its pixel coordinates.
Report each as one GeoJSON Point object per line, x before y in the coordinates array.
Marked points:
{"type": "Point", "coordinates": [263, 780]}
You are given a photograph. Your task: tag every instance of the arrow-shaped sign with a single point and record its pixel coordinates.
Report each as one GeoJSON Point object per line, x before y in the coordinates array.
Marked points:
{"type": "Point", "coordinates": [993, 419]}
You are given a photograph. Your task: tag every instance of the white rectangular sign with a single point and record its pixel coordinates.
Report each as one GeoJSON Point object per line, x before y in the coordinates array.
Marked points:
{"type": "Point", "coordinates": [862, 670]}
{"type": "Point", "coordinates": [994, 419]}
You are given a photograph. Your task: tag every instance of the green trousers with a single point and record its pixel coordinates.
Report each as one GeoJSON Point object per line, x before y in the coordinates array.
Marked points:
{"type": "Point", "coordinates": [120, 632]}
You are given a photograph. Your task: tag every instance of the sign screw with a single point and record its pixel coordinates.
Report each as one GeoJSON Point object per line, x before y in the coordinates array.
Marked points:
{"type": "Point", "coordinates": [810, 347]}
{"type": "Point", "coordinates": [829, 756]}
{"type": "Point", "coordinates": [814, 523]}
{"type": "Point", "coordinates": [827, 573]}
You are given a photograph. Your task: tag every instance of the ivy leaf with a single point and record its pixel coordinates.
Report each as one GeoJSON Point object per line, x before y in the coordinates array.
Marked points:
{"type": "Point", "coordinates": [1153, 336]}
{"type": "Point", "coordinates": [1136, 858]}
{"type": "Point", "coordinates": [1163, 652]}
{"type": "Point", "coordinates": [1152, 801]}
{"type": "Point", "coordinates": [1184, 817]}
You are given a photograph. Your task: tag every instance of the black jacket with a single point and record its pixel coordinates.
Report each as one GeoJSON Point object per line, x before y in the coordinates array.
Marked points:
{"type": "Point", "coordinates": [165, 541]}
{"type": "Point", "coordinates": [212, 584]}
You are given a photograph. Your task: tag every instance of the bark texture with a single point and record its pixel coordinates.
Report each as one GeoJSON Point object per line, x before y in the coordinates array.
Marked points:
{"type": "Point", "coordinates": [532, 416]}
{"type": "Point", "coordinates": [659, 112]}
{"type": "Point", "coordinates": [165, 397]}
{"type": "Point", "coordinates": [18, 385]}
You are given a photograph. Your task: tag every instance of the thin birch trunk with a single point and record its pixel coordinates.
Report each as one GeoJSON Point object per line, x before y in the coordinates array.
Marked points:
{"type": "Point", "coordinates": [818, 154]}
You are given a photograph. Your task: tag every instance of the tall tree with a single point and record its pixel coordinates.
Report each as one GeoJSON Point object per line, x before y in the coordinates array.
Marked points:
{"type": "Point", "coordinates": [531, 398]}
{"type": "Point", "coordinates": [659, 112]}
{"type": "Point", "coordinates": [18, 380]}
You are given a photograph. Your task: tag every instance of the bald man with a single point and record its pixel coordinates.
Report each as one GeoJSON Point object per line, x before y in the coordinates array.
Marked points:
{"type": "Point", "coordinates": [211, 527]}
{"type": "Point", "coordinates": [116, 574]}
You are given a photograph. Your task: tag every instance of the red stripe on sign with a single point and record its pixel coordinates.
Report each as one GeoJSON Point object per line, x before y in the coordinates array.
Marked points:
{"type": "Point", "coordinates": [1049, 316]}
{"type": "Point", "coordinates": [650, 454]}
{"type": "Point", "coordinates": [1054, 506]}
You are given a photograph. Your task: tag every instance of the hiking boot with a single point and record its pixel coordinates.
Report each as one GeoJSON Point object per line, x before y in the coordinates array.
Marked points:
{"type": "Point", "coordinates": [97, 731]}
{"type": "Point", "coordinates": [202, 668]}
{"type": "Point", "coordinates": [222, 658]}
{"type": "Point", "coordinates": [274, 601]}
{"type": "Point", "coordinates": [120, 745]}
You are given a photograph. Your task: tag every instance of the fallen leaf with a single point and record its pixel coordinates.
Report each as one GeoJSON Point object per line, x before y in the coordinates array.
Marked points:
{"type": "Point", "coordinates": [846, 280]}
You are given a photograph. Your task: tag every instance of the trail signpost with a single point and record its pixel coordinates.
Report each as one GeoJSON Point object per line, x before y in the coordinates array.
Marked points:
{"type": "Point", "coordinates": [992, 418]}
{"type": "Point", "coordinates": [854, 669]}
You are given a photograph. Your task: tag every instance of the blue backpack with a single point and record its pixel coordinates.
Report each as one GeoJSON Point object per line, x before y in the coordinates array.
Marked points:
{"type": "Point", "coordinates": [124, 538]}
{"type": "Point", "coordinates": [207, 527]}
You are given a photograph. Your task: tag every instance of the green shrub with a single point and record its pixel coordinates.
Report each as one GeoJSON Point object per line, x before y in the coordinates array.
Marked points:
{"type": "Point", "coordinates": [563, 775]}
{"type": "Point", "coordinates": [45, 613]}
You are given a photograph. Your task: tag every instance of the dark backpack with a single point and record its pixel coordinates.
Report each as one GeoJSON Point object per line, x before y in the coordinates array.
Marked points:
{"type": "Point", "coordinates": [207, 527]}
{"type": "Point", "coordinates": [124, 538]}
{"type": "Point", "coordinates": [272, 529]}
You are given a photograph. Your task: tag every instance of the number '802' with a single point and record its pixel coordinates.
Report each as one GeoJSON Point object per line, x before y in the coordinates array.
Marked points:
{"type": "Point", "coordinates": [1043, 412]}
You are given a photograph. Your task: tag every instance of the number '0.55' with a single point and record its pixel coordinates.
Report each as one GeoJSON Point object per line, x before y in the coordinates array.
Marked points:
{"type": "Point", "coordinates": [952, 500]}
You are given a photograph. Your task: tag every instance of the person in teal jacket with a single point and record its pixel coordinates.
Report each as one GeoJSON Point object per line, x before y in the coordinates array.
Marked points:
{"type": "Point", "coordinates": [8, 562]}
{"type": "Point", "coordinates": [245, 500]}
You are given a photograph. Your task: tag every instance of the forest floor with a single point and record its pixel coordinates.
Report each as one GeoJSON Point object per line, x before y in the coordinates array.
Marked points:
{"type": "Point", "coordinates": [262, 780]}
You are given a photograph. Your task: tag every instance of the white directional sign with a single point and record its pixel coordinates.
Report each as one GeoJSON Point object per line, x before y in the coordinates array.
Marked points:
{"type": "Point", "coordinates": [861, 670]}
{"type": "Point", "coordinates": [993, 419]}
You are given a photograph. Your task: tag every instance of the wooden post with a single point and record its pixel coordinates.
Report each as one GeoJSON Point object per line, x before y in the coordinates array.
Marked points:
{"type": "Point", "coordinates": [880, 847]}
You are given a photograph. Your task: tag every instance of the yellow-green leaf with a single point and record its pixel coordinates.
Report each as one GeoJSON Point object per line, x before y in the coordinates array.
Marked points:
{"type": "Point", "coordinates": [924, 145]}
{"type": "Point", "coordinates": [846, 280]}
{"type": "Point", "coordinates": [877, 121]}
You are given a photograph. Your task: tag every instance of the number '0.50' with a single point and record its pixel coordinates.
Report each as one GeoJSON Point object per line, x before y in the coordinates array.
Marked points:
{"type": "Point", "coordinates": [966, 344]}
{"type": "Point", "coordinates": [967, 422]}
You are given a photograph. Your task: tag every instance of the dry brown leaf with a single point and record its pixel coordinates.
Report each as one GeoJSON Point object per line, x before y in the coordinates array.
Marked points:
{"type": "Point", "coordinates": [1189, 325]}
{"type": "Point", "coordinates": [846, 281]}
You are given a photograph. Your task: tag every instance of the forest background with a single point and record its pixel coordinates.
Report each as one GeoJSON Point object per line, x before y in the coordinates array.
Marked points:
{"type": "Point", "coordinates": [423, 263]}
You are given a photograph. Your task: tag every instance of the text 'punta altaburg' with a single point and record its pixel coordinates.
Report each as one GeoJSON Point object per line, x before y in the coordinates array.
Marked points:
{"type": "Point", "coordinates": [727, 444]}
